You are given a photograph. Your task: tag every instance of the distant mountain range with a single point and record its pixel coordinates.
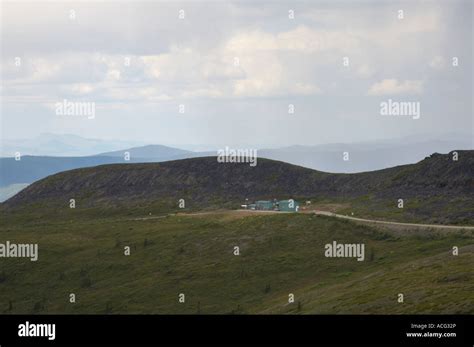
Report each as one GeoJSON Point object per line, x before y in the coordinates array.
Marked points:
{"type": "Point", "coordinates": [32, 168]}
{"type": "Point", "coordinates": [437, 181]}
{"type": "Point", "coordinates": [361, 157]}
{"type": "Point", "coordinates": [66, 145]}
{"type": "Point", "coordinates": [148, 152]}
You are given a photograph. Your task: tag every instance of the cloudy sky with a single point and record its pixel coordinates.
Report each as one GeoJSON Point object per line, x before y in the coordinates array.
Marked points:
{"type": "Point", "coordinates": [236, 67]}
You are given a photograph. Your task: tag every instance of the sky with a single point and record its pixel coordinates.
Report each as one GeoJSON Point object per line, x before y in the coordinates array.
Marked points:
{"type": "Point", "coordinates": [230, 72]}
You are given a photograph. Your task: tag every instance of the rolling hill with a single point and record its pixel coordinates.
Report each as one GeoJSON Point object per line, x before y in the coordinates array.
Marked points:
{"type": "Point", "coordinates": [436, 187]}
{"type": "Point", "coordinates": [364, 156]}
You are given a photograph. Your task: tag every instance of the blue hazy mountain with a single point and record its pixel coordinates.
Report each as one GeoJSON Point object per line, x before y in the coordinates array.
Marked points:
{"type": "Point", "coordinates": [159, 152]}
{"type": "Point", "coordinates": [362, 157]}
{"type": "Point", "coordinates": [31, 168]}
{"type": "Point", "coordinates": [16, 174]}
{"type": "Point", "coordinates": [66, 145]}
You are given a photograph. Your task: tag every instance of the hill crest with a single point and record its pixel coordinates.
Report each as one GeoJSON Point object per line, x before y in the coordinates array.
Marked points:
{"type": "Point", "coordinates": [204, 180]}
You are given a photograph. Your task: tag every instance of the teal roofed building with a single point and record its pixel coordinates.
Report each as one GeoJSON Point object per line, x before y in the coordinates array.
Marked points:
{"type": "Point", "coordinates": [264, 205]}
{"type": "Point", "coordinates": [288, 205]}
{"type": "Point", "coordinates": [268, 205]}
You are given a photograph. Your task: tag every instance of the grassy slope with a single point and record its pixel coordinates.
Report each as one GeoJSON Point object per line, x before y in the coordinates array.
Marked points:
{"type": "Point", "coordinates": [433, 210]}
{"type": "Point", "coordinates": [280, 254]}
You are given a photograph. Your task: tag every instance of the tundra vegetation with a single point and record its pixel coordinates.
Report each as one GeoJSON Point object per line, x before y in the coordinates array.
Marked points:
{"type": "Point", "coordinates": [126, 245]}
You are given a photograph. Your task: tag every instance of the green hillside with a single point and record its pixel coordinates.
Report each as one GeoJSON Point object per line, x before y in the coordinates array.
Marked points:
{"type": "Point", "coordinates": [279, 254]}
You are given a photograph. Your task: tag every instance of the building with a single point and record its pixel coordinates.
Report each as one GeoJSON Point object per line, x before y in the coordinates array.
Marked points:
{"type": "Point", "coordinates": [267, 205]}
{"type": "Point", "coordinates": [288, 205]}
{"type": "Point", "coordinates": [264, 205]}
